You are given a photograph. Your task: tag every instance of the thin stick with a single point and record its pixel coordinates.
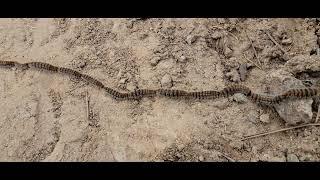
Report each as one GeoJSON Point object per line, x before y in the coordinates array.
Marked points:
{"type": "Point", "coordinates": [234, 36]}
{"type": "Point", "coordinates": [275, 42]}
{"type": "Point", "coordinates": [227, 157]}
{"type": "Point", "coordinates": [254, 49]}
{"type": "Point", "coordinates": [88, 110]}
{"type": "Point", "coordinates": [279, 130]}
{"type": "Point", "coordinates": [318, 115]}
{"type": "Point", "coordinates": [252, 62]}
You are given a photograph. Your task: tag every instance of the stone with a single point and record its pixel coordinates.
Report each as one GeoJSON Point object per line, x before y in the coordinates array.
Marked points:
{"type": "Point", "coordinates": [302, 63]}
{"type": "Point", "coordinates": [166, 81]}
{"type": "Point", "coordinates": [182, 59]}
{"type": "Point", "coordinates": [221, 20]}
{"type": "Point", "coordinates": [292, 111]}
{"type": "Point", "coordinates": [265, 118]}
{"type": "Point", "coordinates": [201, 158]}
{"type": "Point", "coordinates": [123, 81]}
{"type": "Point", "coordinates": [292, 158]}
{"type": "Point", "coordinates": [216, 35]}
{"type": "Point", "coordinates": [243, 71]}
{"type": "Point", "coordinates": [295, 111]}
{"type": "Point", "coordinates": [240, 98]}
{"type": "Point", "coordinates": [233, 75]}
{"type": "Point", "coordinates": [286, 41]}
{"type": "Point", "coordinates": [228, 52]}
{"type": "Point", "coordinates": [154, 61]}
{"type": "Point", "coordinates": [191, 39]}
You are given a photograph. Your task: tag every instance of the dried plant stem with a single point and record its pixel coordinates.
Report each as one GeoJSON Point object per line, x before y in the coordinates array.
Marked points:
{"type": "Point", "coordinates": [276, 43]}
{"type": "Point", "coordinates": [279, 130]}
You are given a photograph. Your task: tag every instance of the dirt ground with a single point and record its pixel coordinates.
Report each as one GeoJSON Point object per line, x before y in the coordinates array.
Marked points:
{"type": "Point", "coordinates": [44, 116]}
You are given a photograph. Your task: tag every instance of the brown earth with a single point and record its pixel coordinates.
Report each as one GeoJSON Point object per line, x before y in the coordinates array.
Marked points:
{"type": "Point", "coordinates": [44, 116]}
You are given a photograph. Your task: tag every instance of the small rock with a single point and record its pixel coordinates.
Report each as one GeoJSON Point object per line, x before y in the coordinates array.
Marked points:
{"type": "Point", "coordinates": [155, 61]}
{"type": "Point", "coordinates": [265, 118]}
{"type": "Point", "coordinates": [292, 158]}
{"type": "Point", "coordinates": [237, 144]}
{"type": "Point", "coordinates": [286, 57]}
{"type": "Point", "coordinates": [253, 116]}
{"type": "Point", "coordinates": [179, 155]}
{"type": "Point", "coordinates": [182, 59]}
{"type": "Point", "coordinates": [306, 157]}
{"type": "Point", "coordinates": [191, 39]}
{"type": "Point", "coordinates": [318, 32]}
{"type": "Point", "coordinates": [201, 158]}
{"type": "Point", "coordinates": [286, 41]}
{"type": "Point", "coordinates": [318, 41]}
{"type": "Point", "coordinates": [123, 81]}
{"type": "Point", "coordinates": [81, 64]}
{"type": "Point", "coordinates": [295, 111]}
{"type": "Point", "coordinates": [130, 24]}
{"type": "Point", "coordinates": [243, 72]}
{"type": "Point", "coordinates": [233, 75]}
{"type": "Point", "coordinates": [99, 62]}
{"type": "Point", "coordinates": [166, 81]}
{"type": "Point", "coordinates": [143, 36]}
{"type": "Point", "coordinates": [228, 52]}
{"type": "Point", "coordinates": [240, 98]}
{"type": "Point", "coordinates": [216, 35]}
{"type": "Point", "coordinates": [221, 104]}
{"type": "Point", "coordinates": [221, 20]}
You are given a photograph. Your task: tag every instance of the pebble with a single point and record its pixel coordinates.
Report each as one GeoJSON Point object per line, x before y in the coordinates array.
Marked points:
{"type": "Point", "coordinates": [81, 64]}
{"type": "Point", "coordinates": [243, 71]}
{"type": "Point", "coordinates": [253, 117]}
{"type": "Point", "coordinates": [265, 118]}
{"type": "Point", "coordinates": [201, 158]}
{"type": "Point", "coordinates": [240, 98]}
{"type": "Point", "coordinates": [221, 20]}
{"type": "Point", "coordinates": [143, 36]}
{"type": "Point", "coordinates": [295, 111]}
{"type": "Point", "coordinates": [233, 75]}
{"type": "Point", "coordinates": [191, 39]}
{"type": "Point", "coordinates": [182, 59]}
{"type": "Point", "coordinates": [154, 61]}
{"type": "Point", "coordinates": [122, 81]}
{"type": "Point", "coordinates": [292, 158]}
{"type": "Point", "coordinates": [228, 52]}
{"type": "Point", "coordinates": [216, 35]}
{"type": "Point", "coordinates": [166, 81]}
{"type": "Point", "coordinates": [286, 41]}
{"type": "Point", "coordinates": [99, 62]}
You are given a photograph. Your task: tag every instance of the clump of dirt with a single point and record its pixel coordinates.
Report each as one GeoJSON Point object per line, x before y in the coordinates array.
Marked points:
{"type": "Point", "coordinates": [47, 117]}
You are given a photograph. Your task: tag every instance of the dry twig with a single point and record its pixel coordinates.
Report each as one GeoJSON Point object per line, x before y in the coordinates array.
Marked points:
{"type": "Point", "coordinates": [88, 107]}
{"type": "Point", "coordinates": [275, 42]}
{"type": "Point", "coordinates": [279, 130]}
{"type": "Point", "coordinates": [251, 61]}
{"type": "Point", "coordinates": [227, 157]}
{"type": "Point", "coordinates": [318, 115]}
{"type": "Point", "coordinates": [254, 49]}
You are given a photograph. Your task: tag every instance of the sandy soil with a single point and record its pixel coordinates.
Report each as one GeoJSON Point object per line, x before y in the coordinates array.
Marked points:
{"type": "Point", "coordinates": [44, 116]}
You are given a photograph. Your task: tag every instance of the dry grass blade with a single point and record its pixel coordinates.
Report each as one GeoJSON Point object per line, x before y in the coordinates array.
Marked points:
{"type": "Point", "coordinates": [251, 61]}
{"type": "Point", "coordinates": [88, 105]}
{"type": "Point", "coordinates": [254, 49]}
{"type": "Point", "coordinates": [275, 42]}
{"type": "Point", "coordinates": [279, 130]}
{"type": "Point", "coordinates": [227, 157]}
{"type": "Point", "coordinates": [318, 115]}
